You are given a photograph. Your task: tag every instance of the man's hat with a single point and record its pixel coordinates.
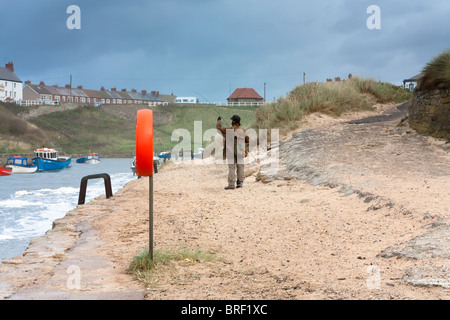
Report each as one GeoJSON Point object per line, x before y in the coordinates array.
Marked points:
{"type": "Point", "coordinates": [236, 119]}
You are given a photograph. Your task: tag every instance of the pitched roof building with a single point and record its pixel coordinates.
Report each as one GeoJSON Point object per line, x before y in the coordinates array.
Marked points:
{"type": "Point", "coordinates": [10, 84]}
{"type": "Point", "coordinates": [245, 95]}
{"type": "Point", "coordinates": [412, 82]}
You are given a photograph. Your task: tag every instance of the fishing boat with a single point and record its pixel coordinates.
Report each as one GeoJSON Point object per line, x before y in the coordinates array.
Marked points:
{"type": "Point", "coordinates": [20, 165]}
{"type": "Point", "coordinates": [90, 158]}
{"type": "Point", "coordinates": [164, 155]}
{"type": "Point", "coordinates": [5, 171]}
{"type": "Point", "coordinates": [49, 159]}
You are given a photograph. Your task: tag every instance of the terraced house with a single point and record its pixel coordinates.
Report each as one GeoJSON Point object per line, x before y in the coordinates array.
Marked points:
{"type": "Point", "coordinates": [54, 95]}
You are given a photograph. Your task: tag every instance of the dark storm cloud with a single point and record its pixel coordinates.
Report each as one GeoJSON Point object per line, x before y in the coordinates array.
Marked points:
{"type": "Point", "coordinates": [214, 46]}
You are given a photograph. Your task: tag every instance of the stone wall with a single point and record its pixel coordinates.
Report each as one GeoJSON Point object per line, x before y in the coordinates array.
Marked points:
{"type": "Point", "coordinates": [429, 111]}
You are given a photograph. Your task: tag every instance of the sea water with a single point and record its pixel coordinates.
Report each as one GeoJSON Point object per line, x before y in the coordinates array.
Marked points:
{"type": "Point", "coordinates": [29, 203]}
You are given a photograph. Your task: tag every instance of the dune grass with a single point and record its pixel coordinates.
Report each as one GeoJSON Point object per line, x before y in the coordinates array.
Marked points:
{"type": "Point", "coordinates": [333, 98]}
{"type": "Point", "coordinates": [436, 72]}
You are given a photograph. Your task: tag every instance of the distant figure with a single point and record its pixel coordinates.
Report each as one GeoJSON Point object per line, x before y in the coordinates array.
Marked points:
{"type": "Point", "coordinates": [234, 151]}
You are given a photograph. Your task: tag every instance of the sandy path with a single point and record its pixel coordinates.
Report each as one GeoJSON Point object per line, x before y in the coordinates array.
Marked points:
{"type": "Point", "coordinates": [282, 240]}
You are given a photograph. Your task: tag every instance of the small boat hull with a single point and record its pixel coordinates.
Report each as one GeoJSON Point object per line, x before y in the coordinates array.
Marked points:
{"type": "Point", "coordinates": [92, 161]}
{"type": "Point", "coordinates": [22, 169]}
{"type": "Point", "coordinates": [91, 158]}
{"type": "Point", "coordinates": [164, 155]}
{"type": "Point", "coordinates": [49, 164]}
{"type": "Point", "coordinates": [5, 171]}
{"type": "Point", "coordinates": [20, 165]}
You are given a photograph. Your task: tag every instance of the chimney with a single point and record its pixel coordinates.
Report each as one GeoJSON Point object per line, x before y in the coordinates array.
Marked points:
{"type": "Point", "coordinates": [42, 83]}
{"type": "Point", "coordinates": [102, 89]}
{"type": "Point", "coordinates": [124, 90]}
{"type": "Point", "coordinates": [153, 93]}
{"type": "Point", "coordinates": [157, 93]}
{"type": "Point", "coordinates": [144, 91]}
{"type": "Point", "coordinates": [27, 82]}
{"type": "Point", "coordinates": [133, 90]}
{"type": "Point", "coordinates": [68, 86]}
{"type": "Point", "coordinates": [113, 89]}
{"type": "Point", "coordinates": [10, 66]}
{"type": "Point", "coordinates": [80, 87]}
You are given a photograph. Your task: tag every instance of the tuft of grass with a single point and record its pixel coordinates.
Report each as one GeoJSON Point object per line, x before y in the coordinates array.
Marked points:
{"type": "Point", "coordinates": [59, 257]}
{"type": "Point", "coordinates": [436, 71]}
{"type": "Point", "coordinates": [143, 268]}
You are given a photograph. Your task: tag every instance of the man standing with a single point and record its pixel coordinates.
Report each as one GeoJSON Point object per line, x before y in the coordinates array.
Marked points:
{"type": "Point", "coordinates": [234, 150]}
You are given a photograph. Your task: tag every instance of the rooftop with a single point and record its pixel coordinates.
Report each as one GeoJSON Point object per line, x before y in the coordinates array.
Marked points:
{"type": "Point", "coordinates": [245, 93]}
{"type": "Point", "coordinates": [8, 75]}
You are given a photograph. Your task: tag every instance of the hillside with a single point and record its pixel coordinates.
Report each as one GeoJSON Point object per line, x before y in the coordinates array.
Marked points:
{"type": "Point", "coordinates": [16, 134]}
{"type": "Point", "coordinates": [108, 130]}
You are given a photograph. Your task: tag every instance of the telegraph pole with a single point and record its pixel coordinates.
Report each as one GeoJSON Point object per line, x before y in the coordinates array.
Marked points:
{"type": "Point", "coordinates": [264, 92]}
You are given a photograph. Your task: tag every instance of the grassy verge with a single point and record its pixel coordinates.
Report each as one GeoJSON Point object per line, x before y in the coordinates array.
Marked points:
{"type": "Point", "coordinates": [145, 269]}
{"type": "Point", "coordinates": [333, 98]}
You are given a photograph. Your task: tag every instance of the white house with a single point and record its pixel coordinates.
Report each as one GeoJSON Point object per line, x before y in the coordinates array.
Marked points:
{"type": "Point", "coordinates": [186, 100]}
{"type": "Point", "coordinates": [10, 84]}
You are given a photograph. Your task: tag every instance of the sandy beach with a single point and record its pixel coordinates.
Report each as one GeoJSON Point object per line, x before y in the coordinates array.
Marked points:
{"type": "Point", "coordinates": [362, 214]}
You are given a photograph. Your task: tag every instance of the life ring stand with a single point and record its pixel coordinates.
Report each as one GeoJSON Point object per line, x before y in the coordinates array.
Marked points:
{"type": "Point", "coordinates": [144, 143]}
{"type": "Point", "coordinates": [144, 161]}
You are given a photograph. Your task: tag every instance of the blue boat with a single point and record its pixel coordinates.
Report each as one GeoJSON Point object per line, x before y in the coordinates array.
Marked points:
{"type": "Point", "coordinates": [164, 155]}
{"type": "Point", "coordinates": [20, 165]}
{"type": "Point", "coordinates": [49, 159]}
{"type": "Point", "coordinates": [90, 158]}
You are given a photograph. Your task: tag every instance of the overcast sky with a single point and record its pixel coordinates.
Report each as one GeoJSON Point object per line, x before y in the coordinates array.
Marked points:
{"type": "Point", "coordinates": [208, 48]}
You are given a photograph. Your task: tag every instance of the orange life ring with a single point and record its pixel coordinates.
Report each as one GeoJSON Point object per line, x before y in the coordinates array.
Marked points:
{"type": "Point", "coordinates": [144, 143]}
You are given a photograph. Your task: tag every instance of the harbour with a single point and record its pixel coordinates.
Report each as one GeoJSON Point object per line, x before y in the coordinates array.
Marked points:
{"type": "Point", "coordinates": [29, 203]}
